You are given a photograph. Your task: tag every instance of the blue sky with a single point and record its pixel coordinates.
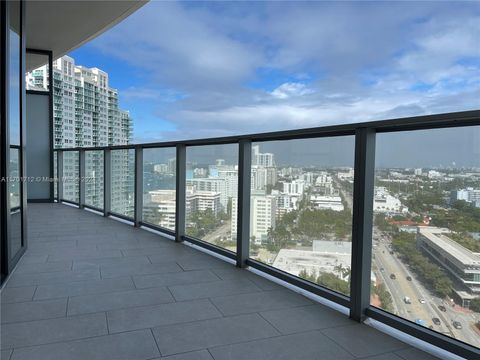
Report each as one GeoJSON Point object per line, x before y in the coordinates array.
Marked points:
{"type": "Point", "coordinates": [201, 69]}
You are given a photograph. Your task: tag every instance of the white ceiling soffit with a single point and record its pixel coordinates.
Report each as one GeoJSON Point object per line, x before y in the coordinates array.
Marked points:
{"type": "Point", "coordinates": [62, 26]}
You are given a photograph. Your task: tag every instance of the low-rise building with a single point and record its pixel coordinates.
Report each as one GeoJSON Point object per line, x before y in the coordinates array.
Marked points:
{"type": "Point", "coordinates": [327, 202]}
{"type": "Point", "coordinates": [159, 208]}
{"type": "Point", "coordinates": [461, 264]}
{"type": "Point", "coordinates": [202, 200]}
{"type": "Point", "coordinates": [325, 257]}
{"type": "Point", "coordinates": [386, 203]}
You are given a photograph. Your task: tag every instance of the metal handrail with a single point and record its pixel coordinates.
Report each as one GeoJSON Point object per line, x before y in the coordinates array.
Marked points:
{"type": "Point", "coordinates": [454, 119]}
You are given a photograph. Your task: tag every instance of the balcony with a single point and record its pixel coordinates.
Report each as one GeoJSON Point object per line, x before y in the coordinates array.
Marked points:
{"type": "Point", "coordinates": [90, 287]}
{"type": "Point", "coordinates": [350, 241]}
{"type": "Point", "coordinates": [172, 239]}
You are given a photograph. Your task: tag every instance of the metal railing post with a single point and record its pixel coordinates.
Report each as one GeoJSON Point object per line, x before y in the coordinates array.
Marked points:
{"type": "Point", "coordinates": [107, 181]}
{"type": "Point", "coordinates": [363, 192]}
{"type": "Point", "coordinates": [81, 178]}
{"type": "Point", "coordinates": [60, 175]}
{"type": "Point", "coordinates": [138, 213]}
{"type": "Point", "coordinates": [180, 199]}
{"type": "Point", "coordinates": [243, 201]}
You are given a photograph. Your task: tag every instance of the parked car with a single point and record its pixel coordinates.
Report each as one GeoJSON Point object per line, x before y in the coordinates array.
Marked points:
{"type": "Point", "coordinates": [421, 301]}
{"type": "Point", "coordinates": [409, 278]}
{"type": "Point", "coordinates": [442, 308]}
{"type": "Point", "coordinates": [420, 322]}
{"type": "Point", "coordinates": [457, 325]}
{"type": "Point", "coordinates": [392, 276]}
{"type": "Point", "coordinates": [436, 321]}
{"type": "Point", "coordinates": [382, 269]}
{"type": "Point", "coordinates": [407, 300]}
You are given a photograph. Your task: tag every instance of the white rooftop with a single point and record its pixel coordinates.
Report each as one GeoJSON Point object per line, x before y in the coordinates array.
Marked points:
{"type": "Point", "coordinates": [437, 237]}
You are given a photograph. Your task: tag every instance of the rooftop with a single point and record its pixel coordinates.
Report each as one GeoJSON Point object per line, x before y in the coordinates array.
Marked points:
{"type": "Point", "coordinates": [90, 287]}
{"type": "Point", "coordinates": [437, 237]}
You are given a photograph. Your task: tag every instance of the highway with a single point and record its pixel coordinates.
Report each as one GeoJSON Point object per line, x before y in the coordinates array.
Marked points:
{"type": "Point", "coordinates": [401, 287]}
{"type": "Point", "coordinates": [414, 289]}
{"type": "Point", "coordinates": [218, 233]}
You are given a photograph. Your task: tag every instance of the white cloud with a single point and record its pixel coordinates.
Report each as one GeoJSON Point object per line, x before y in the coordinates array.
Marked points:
{"type": "Point", "coordinates": [213, 51]}
{"type": "Point", "coordinates": [290, 89]}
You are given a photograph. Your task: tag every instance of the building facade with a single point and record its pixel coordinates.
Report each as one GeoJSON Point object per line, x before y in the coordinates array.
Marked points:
{"type": "Point", "coordinates": [86, 113]}
{"type": "Point", "coordinates": [461, 264]}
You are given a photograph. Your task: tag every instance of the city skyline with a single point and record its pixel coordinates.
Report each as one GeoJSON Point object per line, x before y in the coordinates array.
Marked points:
{"type": "Point", "coordinates": [425, 238]}
{"type": "Point", "coordinates": [428, 149]}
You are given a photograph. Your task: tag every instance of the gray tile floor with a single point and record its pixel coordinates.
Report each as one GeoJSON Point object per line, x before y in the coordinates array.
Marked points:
{"type": "Point", "coordinates": [94, 288]}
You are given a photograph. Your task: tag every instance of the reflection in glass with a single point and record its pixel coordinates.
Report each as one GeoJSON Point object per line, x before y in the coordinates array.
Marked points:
{"type": "Point", "coordinates": [14, 183]}
{"type": "Point", "coordinates": [301, 208]}
{"type": "Point", "coordinates": [123, 182]}
{"type": "Point", "coordinates": [211, 194]}
{"type": "Point", "coordinates": [94, 179]}
{"type": "Point", "coordinates": [55, 175]}
{"type": "Point", "coordinates": [70, 176]}
{"type": "Point", "coordinates": [14, 105]}
{"type": "Point", "coordinates": [15, 201]}
{"type": "Point", "coordinates": [426, 235]}
{"type": "Point", "coordinates": [14, 74]}
{"type": "Point", "coordinates": [37, 79]}
{"type": "Point", "coordinates": [159, 169]}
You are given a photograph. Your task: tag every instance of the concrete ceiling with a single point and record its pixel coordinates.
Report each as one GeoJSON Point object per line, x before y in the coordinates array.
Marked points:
{"type": "Point", "coordinates": [62, 26]}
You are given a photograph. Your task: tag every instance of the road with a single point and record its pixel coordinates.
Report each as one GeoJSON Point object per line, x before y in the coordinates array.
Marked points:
{"type": "Point", "coordinates": [219, 232]}
{"type": "Point", "coordinates": [344, 193]}
{"type": "Point", "coordinates": [401, 287]}
{"type": "Point", "coordinates": [414, 289]}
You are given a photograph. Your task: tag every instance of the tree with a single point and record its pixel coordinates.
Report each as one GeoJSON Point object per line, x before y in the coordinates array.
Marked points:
{"type": "Point", "coordinates": [431, 274]}
{"type": "Point", "coordinates": [475, 305]}
{"type": "Point", "coordinates": [384, 296]}
{"type": "Point", "coordinates": [329, 280]}
{"type": "Point", "coordinates": [201, 223]}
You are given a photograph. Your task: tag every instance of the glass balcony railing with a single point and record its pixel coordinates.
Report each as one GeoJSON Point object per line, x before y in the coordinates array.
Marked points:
{"type": "Point", "coordinates": [122, 187]}
{"type": "Point", "coordinates": [382, 218]}
{"type": "Point", "coordinates": [301, 208]}
{"type": "Point", "coordinates": [211, 193]}
{"type": "Point", "coordinates": [159, 187]}
{"type": "Point", "coordinates": [94, 179]}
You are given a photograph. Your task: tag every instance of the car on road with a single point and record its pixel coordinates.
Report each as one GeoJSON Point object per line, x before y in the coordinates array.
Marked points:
{"type": "Point", "coordinates": [457, 325]}
{"type": "Point", "coordinates": [409, 278]}
{"type": "Point", "coordinates": [436, 321]}
{"type": "Point", "coordinates": [421, 301]}
{"type": "Point", "coordinates": [407, 300]}
{"type": "Point", "coordinates": [442, 308]}
{"type": "Point", "coordinates": [393, 276]}
{"type": "Point", "coordinates": [420, 322]}
{"type": "Point", "coordinates": [382, 269]}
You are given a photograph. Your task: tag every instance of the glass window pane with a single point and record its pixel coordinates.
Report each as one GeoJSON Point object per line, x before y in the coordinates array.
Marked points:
{"type": "Point", "coordinates": [426, 235]}
{"type": "Point", "coordinates": [37, 76]}
{"type": "Point", "coordinates": [212, 190]}
{"type": "Point", "coordinates": [14, 73]}
{"type": "Point", "coordinates": [123, 182]}
{"type": "Point", "coordinates": [301, 208]}
{"type": "Point", "coordinates": [159, 169]}
{"type": "Point", "coordinates": [14, 183]}
{"type": "Point", "coordinates": [13, 118]}
{"type": "Point", "coordinates": [70, 176]}
{"type": "Point", "coordinates": [94, 179]}
{"type": "Point", "coordinates": [55, 174]}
